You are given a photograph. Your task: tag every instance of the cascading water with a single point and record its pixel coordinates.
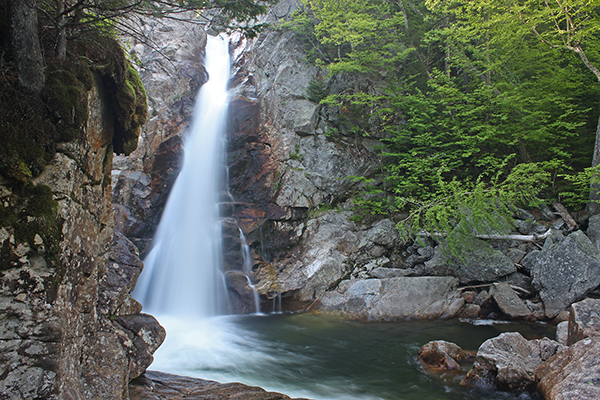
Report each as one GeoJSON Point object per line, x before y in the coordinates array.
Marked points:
{"type": "Point", "coordinates": [182, 273]}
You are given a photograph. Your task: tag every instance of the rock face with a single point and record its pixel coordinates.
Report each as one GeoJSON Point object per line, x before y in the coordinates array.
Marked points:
{"type": "Point", "coordinates": [394, 298]}
{"type": "Point", "coordinates": [62, 288]}
{"type": "Point", "coordinates": [509, 362]}
{"type": "Point", "coordinates": [161, 386]}
{"type": "Point", "coordinates": [565, 271]}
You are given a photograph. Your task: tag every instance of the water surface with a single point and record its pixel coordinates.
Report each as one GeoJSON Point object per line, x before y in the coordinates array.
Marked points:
{"type": "Point", "coordinates": [321, 357]}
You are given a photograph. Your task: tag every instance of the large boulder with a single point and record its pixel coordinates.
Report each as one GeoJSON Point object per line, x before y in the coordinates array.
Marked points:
{"type": "Point", "coordinates": [393, 298]}
{"type": "Point", "coordinates": [572, 374]}
{"type": "Point", "coordinates": [565, 271]}
{"type": "Point", "coordinates": [509, 362]}
{"type": "Point", "coordinates": [482, 263]}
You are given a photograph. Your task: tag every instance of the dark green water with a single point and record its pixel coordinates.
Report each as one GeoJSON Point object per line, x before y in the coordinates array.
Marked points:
{"type": "Point", "coordinates": [327, 358]}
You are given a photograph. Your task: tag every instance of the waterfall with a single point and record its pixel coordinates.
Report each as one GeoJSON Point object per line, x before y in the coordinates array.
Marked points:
{"type": "Point", "coordinates": [182, 273]}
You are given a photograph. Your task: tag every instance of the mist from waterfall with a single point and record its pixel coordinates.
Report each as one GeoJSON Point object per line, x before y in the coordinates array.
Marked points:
{"type": "Point", "coordinates": [182, 272]}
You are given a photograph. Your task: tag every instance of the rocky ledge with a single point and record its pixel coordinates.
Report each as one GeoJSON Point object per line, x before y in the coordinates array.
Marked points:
{"type": "Point", "coordinates": [161, 386]}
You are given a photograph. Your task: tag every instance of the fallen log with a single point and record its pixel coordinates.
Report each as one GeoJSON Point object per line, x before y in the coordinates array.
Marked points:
{"type": "Point", "coordinates": [524, 238]}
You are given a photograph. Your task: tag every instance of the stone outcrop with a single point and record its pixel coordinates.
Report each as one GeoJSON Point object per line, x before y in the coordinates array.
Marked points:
{"type": "Point", "coordinates": [509, 362]}
{"type": "Point", "coordinates": [393, 298]}
{"type": "Point", "coordinates": [62, 288]}
{"type": "Point", "coordinates": [161, 386]}
{"type": "Point", "coordinates": [565, 271]}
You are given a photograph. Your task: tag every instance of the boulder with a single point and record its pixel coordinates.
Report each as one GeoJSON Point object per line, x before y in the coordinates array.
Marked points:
{"type": "Point", "coordinates": [441, 354]}
{"type": "Point", "coordinates": [509, 302]}
{"type": "Point", "coordinates": [482, 263]}
{"type": "Point", "coordinates": [584, 320]}
{"type": "Point", "coordinates": [565, 271]}
{"type": "Point", "coordinates": [572, 374]}
{"type": "Point", "coordinates": [393, 298]}
{"type": "Point", "coordinates": [509, 362]}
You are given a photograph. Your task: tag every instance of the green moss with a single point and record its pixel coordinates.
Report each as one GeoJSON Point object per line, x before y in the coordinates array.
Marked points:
{"type": "Point", "coordinates": [66, 97]}
{"type": "Point", "coordinates": [132, 111]}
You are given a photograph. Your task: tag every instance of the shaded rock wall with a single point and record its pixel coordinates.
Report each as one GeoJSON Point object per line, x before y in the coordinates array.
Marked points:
{"type": "Point", "coordinates": [64, 294]}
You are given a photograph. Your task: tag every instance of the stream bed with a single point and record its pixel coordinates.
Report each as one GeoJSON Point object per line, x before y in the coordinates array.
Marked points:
{"type": "Point", "coordinates": [321, 357]}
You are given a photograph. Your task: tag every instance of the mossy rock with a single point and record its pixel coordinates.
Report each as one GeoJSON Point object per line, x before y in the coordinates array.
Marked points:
{"type": "Point", "coordinates": [131, 110]}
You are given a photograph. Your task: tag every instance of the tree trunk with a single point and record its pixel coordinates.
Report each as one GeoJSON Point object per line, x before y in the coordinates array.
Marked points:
{"type": "Point", "coordinates": [26, 45]}
{"type": "Point", "coordinates": [593, 206]}
{"type": "Point", "coordinates": [61, 32]}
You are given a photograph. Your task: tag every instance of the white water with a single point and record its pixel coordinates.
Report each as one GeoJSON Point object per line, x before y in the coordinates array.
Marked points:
{"type": "Point", "coordinates": [182, 273]}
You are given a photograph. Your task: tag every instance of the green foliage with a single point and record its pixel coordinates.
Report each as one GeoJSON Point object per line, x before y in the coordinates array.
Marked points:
{"type": "Point", "coordinates": [475, 112]}
{"type": "Point", "coordinates": [317, 89]}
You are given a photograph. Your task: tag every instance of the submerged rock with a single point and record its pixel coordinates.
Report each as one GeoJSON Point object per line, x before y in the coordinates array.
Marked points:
{"type": "Point", "coordinates": [394, 298]}
{"type": "Point", "coordinates": [161, 386]}
{"type": "Point", "coordinates": [442, 354]}
{"type": "Point", "coordinates": [509, 362]}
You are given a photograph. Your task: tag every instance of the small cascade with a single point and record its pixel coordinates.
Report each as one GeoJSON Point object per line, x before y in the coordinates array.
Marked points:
{"type": "Point", "coordinates": [182, 274]}
{"type": "Point", "coordinates": [247, 268]}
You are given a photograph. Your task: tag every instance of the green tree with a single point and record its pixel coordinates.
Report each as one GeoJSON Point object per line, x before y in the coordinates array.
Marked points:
{"type": "Point", "coordinates": [473, 117]}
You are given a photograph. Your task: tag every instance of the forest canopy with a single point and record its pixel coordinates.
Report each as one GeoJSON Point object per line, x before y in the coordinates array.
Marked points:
{"type": "Point", "coordinates": [480, 106]}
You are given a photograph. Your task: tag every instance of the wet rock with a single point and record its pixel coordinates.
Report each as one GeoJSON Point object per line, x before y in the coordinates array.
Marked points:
{"type": "Point", "coordinates": [441, 354]}
{"type": "Point", "coordinates": [572, 374]}
{"type": "Point", "coordinates": [584, 320]}
{"type": "Point", "coordinates": [393, 298]}
{"type": "Point", "coordinates": [509, 362]}
{"type": "Point", "coordinates": [509, 302]}
{"type": "Point", "coordinates": [161, 386]}
{"type": "Point", "coordinates": [241, 294]}
{"type": "Point", "coordinates": [143, 337]}
{"type": "Point", "coordinates": [565, 271]}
